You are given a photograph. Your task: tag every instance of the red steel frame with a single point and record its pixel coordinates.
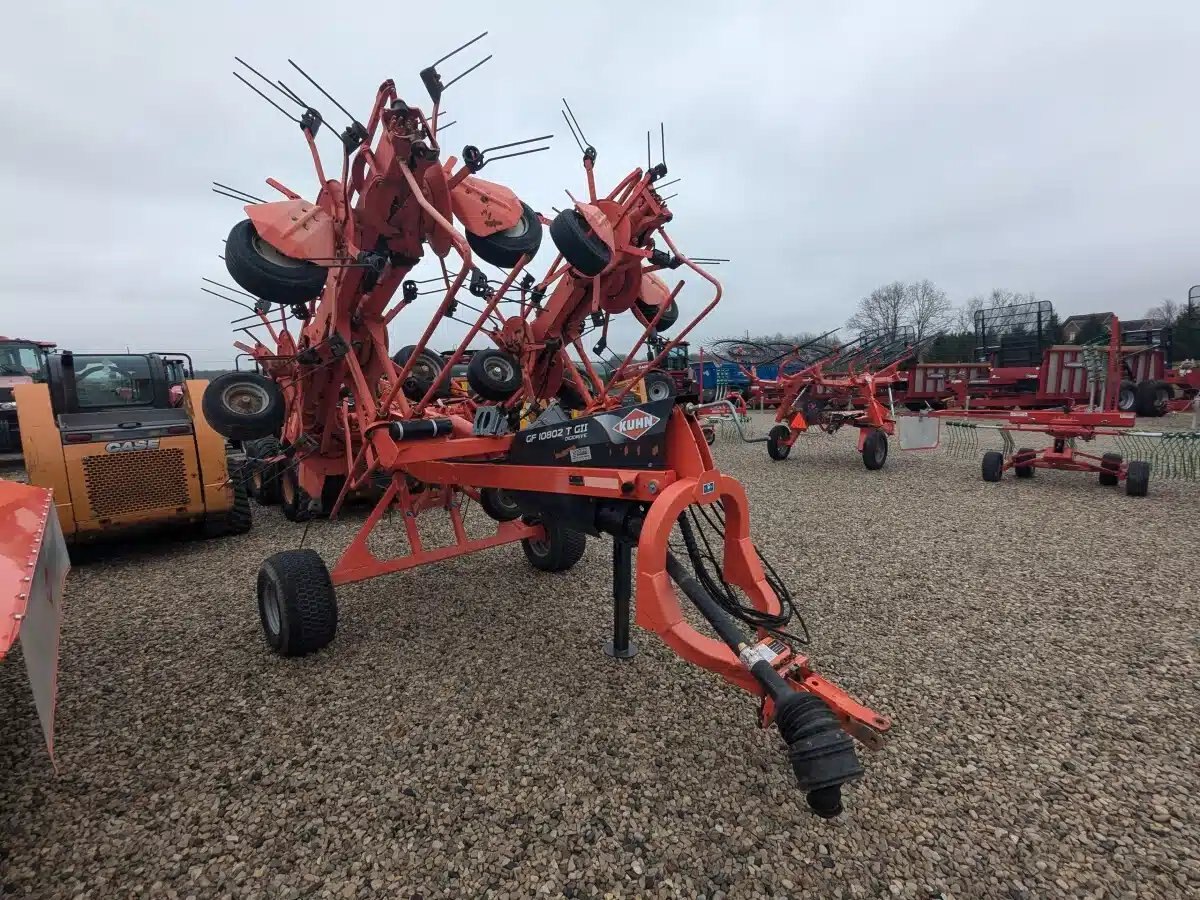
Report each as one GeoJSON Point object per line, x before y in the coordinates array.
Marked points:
{"type": "Point", "coordinates": [340, 409]}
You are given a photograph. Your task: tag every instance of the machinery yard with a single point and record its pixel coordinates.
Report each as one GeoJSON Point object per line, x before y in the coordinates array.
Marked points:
{"type": "Point", "coordinates": [1038, 659]}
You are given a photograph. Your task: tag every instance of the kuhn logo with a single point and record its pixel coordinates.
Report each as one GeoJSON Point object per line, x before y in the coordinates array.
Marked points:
{"type": "Point", "coordinates": [130, 446]}
{"type": "Point", "coordinates": [636, 423]}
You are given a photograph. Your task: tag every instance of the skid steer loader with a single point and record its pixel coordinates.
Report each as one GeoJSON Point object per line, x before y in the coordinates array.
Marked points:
{"type": "Point", "coordinates": [123, 444]}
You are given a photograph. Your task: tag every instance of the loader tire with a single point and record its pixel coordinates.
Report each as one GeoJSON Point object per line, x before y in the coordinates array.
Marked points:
{"type": "Point", "coordinates": [558, 551]}
{"type": "Point", "coordinates": [238, 519]}
{"type": "Point", "coordinates": [297, 605]}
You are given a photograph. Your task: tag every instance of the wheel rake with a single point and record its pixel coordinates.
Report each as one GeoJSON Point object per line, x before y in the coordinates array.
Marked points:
{"type": "Point", "coordinates": [550, 450]}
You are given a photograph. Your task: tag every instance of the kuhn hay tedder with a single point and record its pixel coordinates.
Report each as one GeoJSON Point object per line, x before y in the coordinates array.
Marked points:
{"type": "Point", "coordinates": [346, 412]}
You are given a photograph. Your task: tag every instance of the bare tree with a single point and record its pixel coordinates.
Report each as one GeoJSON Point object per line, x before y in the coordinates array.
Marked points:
{"type": "Point", "coordinates": [881, 310]}
{"type": "Point", "coordinates": [926, 308]}
{"type": "Point", "coordinates": [1165, 313]}
{"type": "Point", "coordinates": [999, 298]}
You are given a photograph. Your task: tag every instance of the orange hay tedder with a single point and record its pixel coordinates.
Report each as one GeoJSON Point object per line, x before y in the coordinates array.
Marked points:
{"type": "Point", "coordinates": [348, 415]}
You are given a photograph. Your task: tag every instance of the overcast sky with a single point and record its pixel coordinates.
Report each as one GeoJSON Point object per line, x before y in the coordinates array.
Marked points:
{"type": "Point", "coordinates": [825, 148]}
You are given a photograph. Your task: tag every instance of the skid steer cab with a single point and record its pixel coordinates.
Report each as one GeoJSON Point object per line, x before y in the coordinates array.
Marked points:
{"type": "Point", "coordinates": [123, 444]}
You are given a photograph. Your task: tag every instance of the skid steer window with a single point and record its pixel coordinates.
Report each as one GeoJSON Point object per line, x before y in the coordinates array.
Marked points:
{"type": "Point", "coordinates": [26, 360]}
{"type": "Point", "coordinates": [107, 381]}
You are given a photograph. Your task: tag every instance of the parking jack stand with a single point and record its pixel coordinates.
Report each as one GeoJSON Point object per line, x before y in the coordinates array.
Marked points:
{"type": "Point", "coordinates": [620, 647]}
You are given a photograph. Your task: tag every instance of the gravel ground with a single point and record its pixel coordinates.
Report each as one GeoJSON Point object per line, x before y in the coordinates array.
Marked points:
{"type": "Point", "coordinates": [1035, 641]}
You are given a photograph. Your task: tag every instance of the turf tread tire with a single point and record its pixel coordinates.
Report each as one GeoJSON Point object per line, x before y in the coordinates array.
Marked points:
{"type": "Point", "coordinates": [308, 603]}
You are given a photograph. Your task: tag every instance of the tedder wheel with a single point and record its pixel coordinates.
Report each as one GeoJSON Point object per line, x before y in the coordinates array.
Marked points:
{"type": "Point", "coordinates": [1110, 465]}
{"type": "Point", "coordinates": [243, 406]}
{"type": "Point", "coordinates": [296, 602]}
{"type": "Point", "coordinates": [505, 248]}
{"type": "Point", "coordinates": [265, 272]}
{"type": "Point", "coordinates": [494, 374]}
{"type": "Point", "coordinates": [569, 397]}
{"type": "Point", "coordinates": [297, 507]}
{"type": "Point", "coordinates": [993, 465]}
{"type": "Point", "coordinates": [583, 250]}
{"type": "Point", "coordinates": [264, 479]}
{"type": "Point", "coordinates": [1024, 455]}
{"type": "Point", "coordinates": [423, 373]}
{"type": "Point", "coordinates": [238, 518]}
{"type": "Point", "coordinates": [776, 448]}
{"type": "Point", "coordinates": [669, 317]}
{"type": "Point", "coordinates": [498, 504]}
{"type": "Point", "coordinates": [1137, 478]}
{"type": "Point", "coordinates": [1151, 398]}
{"type": "Point", "coordinates": [1126, 396]}
{"type": "Point", "coordinates": [710, 434]}
{"type": "Point", "coordinates": [659, 386]}
{"type": "Point", "coordinates": [875, 449]}
{"type": "Point", "coordinates": [558, 551]}
{"type": "Point", "coordinates": [331, 489]}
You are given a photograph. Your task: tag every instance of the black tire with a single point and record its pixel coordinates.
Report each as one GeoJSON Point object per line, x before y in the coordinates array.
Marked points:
{"type": "Point", "coordinates": [505, 248]}
{"type": "Point", "coordinates": [238, 519]}
{"type": "Point", "coordinates": [265, 272]}
{"type": "Point", "coordinates": [423, 373]}
{"type": "Point", "coordinates": [558, 551]}
{"type": "Point", "coordinates": [569, 397]}
{"type": "Point", "coordinates": [297, 605]}
{"type": "Point", "coordinates": [265, 485]}
{"type": "Point", "coordinates": [710, 434]}
{"type": "Point", "coordinates": [993, 465]}
{"type": "Point", "coordinates": [494, 374]}
{"type": "Point", "coordinates": [1137, 478]}
{"type": "Point", "coordinates": [1110, 464]}
{"type": "Point", "coordinates": [776, 449]}
{"type": "Point", "coordinates": [659, 386]}
{"type": "Point", "coordinates": [1152, 398]}
{"type": "Point", "coordinates": [296, 504]}
{"type": "Point", "coordinates": [1126, 396]}
{"type": "Point", "coordinates": [331, 489]}
{"type": "Point", "coordinates": [875, 449]}
{"type": "Point", "coordinates": [499, 505]}
{"type": "Point", "coordinates": [243, 406]}
{"type": "Point", "coordinates": [1024, 471]}
{"type": "Point", "coordinates": [583, 250]}
{"type": "Point", "coordinates": [669, 317]}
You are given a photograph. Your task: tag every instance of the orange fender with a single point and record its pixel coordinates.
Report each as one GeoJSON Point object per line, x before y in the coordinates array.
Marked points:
{"type": "Point", "coordinates": [483, 207]}
{"type": "Point", "coordinates": [295, 228]}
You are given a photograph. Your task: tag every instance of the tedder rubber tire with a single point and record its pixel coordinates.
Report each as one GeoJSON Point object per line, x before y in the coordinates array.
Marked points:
{"type": "Point", "coordinates": [1137, 478]}
{"type": "Point", "coordinates": [265, 479]}
{"type": "Point", "coordinates": [265, 272]}
{"type": "Point", "coordinates": [505, 248]}
{"type": "Point", "coordinates": [558, 551]}
{"type": "Point", "coordinates": [669, 317]}
{"type": "Point", "coordinates": [296, 504]}
{"type": "Point", "coordinates": [993, 465]}
{"type": "Point", "coordinates": [423, 373]}
{"type": "Point", "coordinates": [1024, 471]}
{"type": "Point", "coordinates": [331, 489]}
{"type": "Point", "coordinates": [494, 374]}
{"type": "Point", "coordinates": [776, 449]}
{"type": "Point", "coordinates": [1112, 463]}
{"type": "Point", "coordinates": [583, 250]}
{"type": "Point", "coordinates": [498, 505]}
{"type": "Point", "coordinates": [659, 386]}
{"type": "Point", "coordinates": [296, 602]}
{"type": "Point", "coordinates": [238, 519]}
{"type": "Point", "coordinates": [1152, 398]}
{"type": "Point", "coordinates": [875, 449]}
{"type": "Point", "coordinates": [243, 406]}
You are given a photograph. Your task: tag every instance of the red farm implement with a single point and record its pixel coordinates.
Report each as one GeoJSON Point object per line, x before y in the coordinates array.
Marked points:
{"type": "Point", "coordinates": [347, 414]}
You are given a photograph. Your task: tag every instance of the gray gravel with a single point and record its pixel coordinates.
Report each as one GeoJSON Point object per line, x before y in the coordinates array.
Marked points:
{"type": "Point", "coordinates": [1036, 643]}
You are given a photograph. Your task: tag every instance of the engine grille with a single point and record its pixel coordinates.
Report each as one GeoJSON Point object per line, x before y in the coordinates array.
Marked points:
{"type": "Point", "coordinates": [121, 483]}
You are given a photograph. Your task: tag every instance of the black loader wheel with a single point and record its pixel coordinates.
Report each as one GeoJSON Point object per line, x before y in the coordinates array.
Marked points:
{"type": "Point", "coordinates": [243, 406]}
{"type": "Point", "coordinates": [494, 374]}
{"type": "Point", "coordinates": [499, 505]}
{"type": "Point", "coordinates": [265, 485]}
{"type": "Point", "coordinates": [296, 603]}
{"type": "Point", "coordinates": [265, 272]}
{"type": "Point", "coordinates": [669, 317]}
{"type": "Point", "coordinates": [777, 449]}
{"type": "Point", "coordinates": [1021, 462]}
{"type": "Point", "coordinates": [1151, 398]}
{"type": "Point", "coordinates": [875, 449]}
{"type": "Point", "coordinates": [297, 506]}
{"type": "Point", "coordinates": [423, 373]}
{"type": "Point", "coordinates": [583, 250]}
{"type": "Point", "coordinates": [237, 519]}
{"type": "Point", "coordinates": [558, 551]}
{"type": "Point", "coordinates": [659, 386]}
{"type": "Point", "coordinates": [1137, 478]}
{"type": "Point", "coordinates": [993, 465]}
{"type": "Point", "coordinates": [1126, 396]}
{"type": "Point", "coordinates": [1110, 465]}
{"type": "Point", "coordinates": [505, 248]}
